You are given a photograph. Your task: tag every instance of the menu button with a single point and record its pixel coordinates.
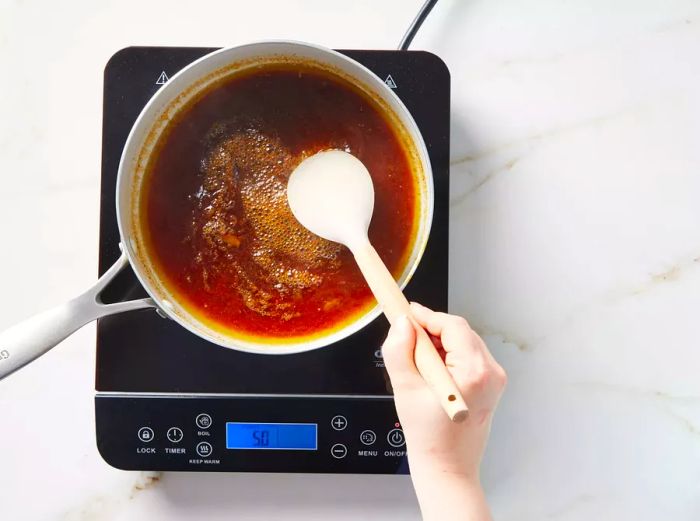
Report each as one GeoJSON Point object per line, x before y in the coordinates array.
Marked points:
{"type": "Point", "coordinates": [368, 437]}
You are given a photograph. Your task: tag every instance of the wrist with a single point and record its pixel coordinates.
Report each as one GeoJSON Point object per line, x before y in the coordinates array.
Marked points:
{"type": "Point", "coordinates": [436, 470]}
{"type": "Point", "coordinates": [449, 496]}
{"type": "Point", "coordinates": [436, 465]}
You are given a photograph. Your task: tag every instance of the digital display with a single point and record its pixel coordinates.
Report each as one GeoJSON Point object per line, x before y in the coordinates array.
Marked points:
{"type": "Point", "coordinates": [271, 436]}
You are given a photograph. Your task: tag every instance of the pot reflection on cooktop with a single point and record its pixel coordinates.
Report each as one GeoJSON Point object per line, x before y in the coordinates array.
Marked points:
{"type": "Point", "coordinates": [142, 352]}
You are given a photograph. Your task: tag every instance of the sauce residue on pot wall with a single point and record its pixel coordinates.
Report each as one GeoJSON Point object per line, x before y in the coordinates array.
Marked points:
{"type": "Point", "coordinates": [215, 213]}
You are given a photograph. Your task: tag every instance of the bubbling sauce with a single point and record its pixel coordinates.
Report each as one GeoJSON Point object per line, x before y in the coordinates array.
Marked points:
{"type": "Point", "coordinates": [217, 222]}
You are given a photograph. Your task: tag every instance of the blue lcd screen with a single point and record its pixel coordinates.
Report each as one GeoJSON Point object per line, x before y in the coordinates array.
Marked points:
{"type": "Point", "coordinates": [271, 436]}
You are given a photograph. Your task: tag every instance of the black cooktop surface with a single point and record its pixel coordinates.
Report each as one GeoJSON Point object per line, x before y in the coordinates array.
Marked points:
{"type": "Point", "coordinates": [142, 352]}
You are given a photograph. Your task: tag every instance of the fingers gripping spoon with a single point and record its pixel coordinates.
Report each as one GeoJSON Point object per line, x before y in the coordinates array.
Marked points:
{"type": "Point", "coordinates": [331, 194]}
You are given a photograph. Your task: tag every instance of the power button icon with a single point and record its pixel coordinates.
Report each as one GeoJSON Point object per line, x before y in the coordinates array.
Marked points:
{"type": "Point", "coordinates": [396, 438]}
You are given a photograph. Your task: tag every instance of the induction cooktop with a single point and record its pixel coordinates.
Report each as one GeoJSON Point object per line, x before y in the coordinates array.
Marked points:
{"type": "Point", "coordinates": [169, 400]}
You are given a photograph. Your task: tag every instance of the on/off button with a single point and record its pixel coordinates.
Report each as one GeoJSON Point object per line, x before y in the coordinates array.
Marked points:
{"type": "Point", "coordinates": [396, 438]}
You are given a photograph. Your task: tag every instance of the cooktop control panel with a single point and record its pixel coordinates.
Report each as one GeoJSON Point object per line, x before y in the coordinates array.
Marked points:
{"type": "Point", "coordinates": [251, 434]}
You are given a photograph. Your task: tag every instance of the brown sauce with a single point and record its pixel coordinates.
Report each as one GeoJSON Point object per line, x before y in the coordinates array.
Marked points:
{"type": "Point", "coordinates": [217, 221]}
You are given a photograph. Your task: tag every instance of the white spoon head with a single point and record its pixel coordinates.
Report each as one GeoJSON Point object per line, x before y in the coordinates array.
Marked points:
{"type": "Point", "coordinates": [331, 193]}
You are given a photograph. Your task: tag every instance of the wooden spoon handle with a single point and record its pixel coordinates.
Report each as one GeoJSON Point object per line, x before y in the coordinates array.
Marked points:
{"type": "Point", "coordinates": [394, 304]}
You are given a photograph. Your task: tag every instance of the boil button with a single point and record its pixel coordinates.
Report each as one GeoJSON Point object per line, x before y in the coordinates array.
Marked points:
{"type": "Point", "coordinates": [203, 421]}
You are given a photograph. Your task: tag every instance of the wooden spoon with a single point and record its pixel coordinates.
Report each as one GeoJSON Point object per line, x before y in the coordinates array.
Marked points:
{"type": "Point", "coordinates": [331, 194]}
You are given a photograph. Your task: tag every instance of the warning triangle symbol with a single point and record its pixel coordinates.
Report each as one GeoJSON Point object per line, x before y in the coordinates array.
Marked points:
{"type": "Point", "coordinates": [162, 78]}
{"type": "Point", "coordinates": [390, 82]}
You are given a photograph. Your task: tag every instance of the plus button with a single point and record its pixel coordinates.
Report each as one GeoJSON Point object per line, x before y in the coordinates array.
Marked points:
{"type": "Point", "coordinates": [339, 423]}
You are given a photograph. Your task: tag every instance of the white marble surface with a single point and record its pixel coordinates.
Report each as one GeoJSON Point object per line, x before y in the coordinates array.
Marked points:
{"type": "Point", "coordinates": [575, 250]}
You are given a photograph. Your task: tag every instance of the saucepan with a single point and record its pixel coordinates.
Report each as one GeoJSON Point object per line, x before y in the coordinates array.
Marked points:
{"type": "Point", "coordinates": [30, 339]}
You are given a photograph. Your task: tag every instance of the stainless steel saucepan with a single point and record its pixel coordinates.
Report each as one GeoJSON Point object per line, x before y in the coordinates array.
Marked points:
{"type": "Point", "coordinates": [30, 339]}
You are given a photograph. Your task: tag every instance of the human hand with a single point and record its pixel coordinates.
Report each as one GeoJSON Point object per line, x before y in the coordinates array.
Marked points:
{"type": "Point", "coordinates": [436, 445]}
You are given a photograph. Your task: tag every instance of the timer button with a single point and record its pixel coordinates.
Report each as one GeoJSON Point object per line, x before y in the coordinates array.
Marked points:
{"type": "Point", "coordinates": [396, 438]}
{"type": "Point", "coordinates": [203, 421]}
{"type": "Point", "coordinates": [339, 422]}
{"type": "Point", "coordinates": [204, 449]}
{"type": "Point", "coordinates": [175, 434]}
{"type": "Point", "coordinates": [145, 434]}
{"type": "Point", "coordinates": [339, 451]}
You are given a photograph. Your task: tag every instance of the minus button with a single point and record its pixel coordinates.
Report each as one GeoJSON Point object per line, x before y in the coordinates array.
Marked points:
{"type": "Point", "coordinates": [339, 451]}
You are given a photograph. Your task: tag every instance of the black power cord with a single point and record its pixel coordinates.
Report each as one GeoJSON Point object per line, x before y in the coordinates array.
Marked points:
{"type": "Point", "coordinates": [415, 25]}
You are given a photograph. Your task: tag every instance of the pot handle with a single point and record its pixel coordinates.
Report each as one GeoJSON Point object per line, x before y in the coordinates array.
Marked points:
{"type": "Point", "coordinates": [33, 337]}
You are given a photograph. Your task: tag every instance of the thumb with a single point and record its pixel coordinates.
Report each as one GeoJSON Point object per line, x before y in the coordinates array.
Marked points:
{"type": "Point", "coordinates": [398, 350]}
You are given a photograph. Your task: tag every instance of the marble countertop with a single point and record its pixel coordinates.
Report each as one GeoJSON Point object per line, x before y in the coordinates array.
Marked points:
{"type": "Point", "coordinates": [575, 250]}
